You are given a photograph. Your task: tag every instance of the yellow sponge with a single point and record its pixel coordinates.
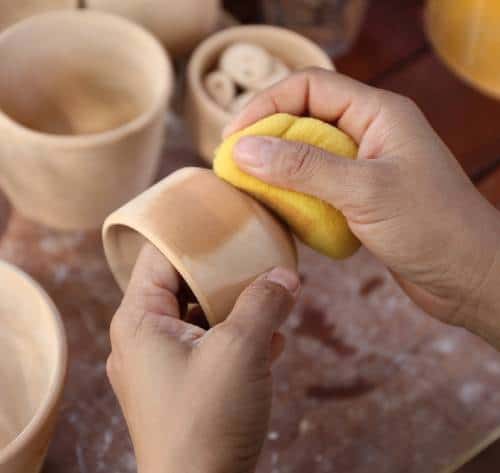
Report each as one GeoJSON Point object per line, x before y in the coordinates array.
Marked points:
{"type": "Point", "coordinates": [315, 222]}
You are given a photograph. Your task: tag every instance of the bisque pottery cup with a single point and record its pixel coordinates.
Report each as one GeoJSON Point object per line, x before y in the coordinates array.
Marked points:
{"type": "Point", "coordinates": [33, 358]}
{"type": "Point", "coordinates": [83, 97]}
{"type": "Point", "coordinates": [179, 24]}
{"type": "Point", "coordinates": [218, 238]}
{"type": "Point", "coordinates": [206, 118]}
{"type": "Point", "coordinates": [12, 11]}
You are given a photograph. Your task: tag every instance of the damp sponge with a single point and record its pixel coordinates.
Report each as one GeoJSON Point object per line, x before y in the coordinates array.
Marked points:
{"type": "Point", "coordinates": [315, 222]}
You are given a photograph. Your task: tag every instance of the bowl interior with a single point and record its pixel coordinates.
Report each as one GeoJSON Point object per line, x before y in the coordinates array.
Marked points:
{"type": "Point", "coordinates": [293, 49]}
{"type": "Point", "coordinates": [31, 344]}
{"type": "Point", "coordinates": [78, 73]}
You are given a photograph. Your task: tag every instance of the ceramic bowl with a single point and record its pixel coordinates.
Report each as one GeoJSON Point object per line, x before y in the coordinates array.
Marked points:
{"type": "Point", "coordinates": [206, 118]}
{"type": "Point", "coordinates": [83, 97]}
{"type": "Point", "coordinates": [33, 357]}
{"type": "Point", "coordinates": [217, 238]}
{"type": "Point", "coordinates": [12, 11]}
{"type": "Point", "coordinates": [178, 24]}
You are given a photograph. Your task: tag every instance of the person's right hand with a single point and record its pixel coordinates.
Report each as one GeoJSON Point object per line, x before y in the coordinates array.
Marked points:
{"type": "Point", "coordinates": [405, 197]}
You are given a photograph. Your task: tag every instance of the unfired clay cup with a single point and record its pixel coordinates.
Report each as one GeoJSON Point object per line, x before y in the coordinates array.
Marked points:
{"type": "Point", "coordinates": [83, 97]}
{"type": "Point", "coordinates": [12, 11]}
{"type": "Point", "coordinates": [179, 24]}
{"type": "Point", "coordinates": [33, 358]}
{"type": "Point", "coordinates": [206, 118]}
{"type": "Point", "coordinates": [217, 238]}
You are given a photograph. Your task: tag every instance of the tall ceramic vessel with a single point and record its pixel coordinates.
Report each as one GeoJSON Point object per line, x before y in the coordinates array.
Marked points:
{"type": "Point", "coordinates": [33, 358]}
{"type": "Point", "coordinates": [178, 24]}
{"type": "Point", "coordinates": [83, 97]}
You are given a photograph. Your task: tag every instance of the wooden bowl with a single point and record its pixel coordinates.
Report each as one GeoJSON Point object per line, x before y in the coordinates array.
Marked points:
{"type": "Point", "coordinates": [12, 11]}
{"type": "Point", "coordinates": [83, 97]}
{"type": "Point", "coordinates": [205, 117]}
{"type": "Point", "coordinates": [179, 24]}
{"type": "Point", "coordinates": [33, 358]}
{"type": "Point", "coordinates": [217, 238]}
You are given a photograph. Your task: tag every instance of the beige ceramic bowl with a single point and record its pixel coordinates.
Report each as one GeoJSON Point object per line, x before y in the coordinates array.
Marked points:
{"type": "Point", "coordinates": [178, 24]}
{"type": "Point", "coordinates": [217, 238]}
{"type": "Point", "coordinates": [33, 357]}
{"type": "Point", "coordinates": [12, 11]}
{"type": "Point", "coordinates": [83, 97]}
{"type": "Point", "coordinates": [207, 119]}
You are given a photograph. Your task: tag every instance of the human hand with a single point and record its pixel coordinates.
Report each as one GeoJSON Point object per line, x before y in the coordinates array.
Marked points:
{"type": "Point", "coordinates": [196, 400]}
{"type": "Point", "coordinates": [405, 197]}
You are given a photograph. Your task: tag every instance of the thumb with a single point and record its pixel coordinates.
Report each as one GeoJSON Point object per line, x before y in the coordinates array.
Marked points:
{"type": "Point", "coordinates": [150, 307]}
{"type": "Point", "coordinates": [261, 310]}
{"type": "Point", "coordinates": [300, 167]}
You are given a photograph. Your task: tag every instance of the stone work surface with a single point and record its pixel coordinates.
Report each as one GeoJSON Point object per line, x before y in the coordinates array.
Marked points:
{"type": "Point", "coordinates": [367, 383]}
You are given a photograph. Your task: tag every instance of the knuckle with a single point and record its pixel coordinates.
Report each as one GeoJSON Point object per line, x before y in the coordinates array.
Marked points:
{"type": "Point", "coordinates": [145, 325]}
{"type": "Point", "coordinates": [114, 370]}
{"type": "Point", "coordinates": [128, 326]}
{"type": "Point", "coordinates": [299, 164]}
{"type": "Point", "coordinates": [117, 330]}
{"type": "Point", "coordinates": [110, 367]}
{"type": "Point", "coordinates": [408, 103]}
{"type": "Point", "coordinates": [266, 297]}
{"type": "Point", "coordinates": [262, 291]}
{"type": "Point", "coordinates": [311, 71]}
{"type": "Point", "coordinates": [230, 335]}
{"type": "Point", "coordinates": [397, 101]}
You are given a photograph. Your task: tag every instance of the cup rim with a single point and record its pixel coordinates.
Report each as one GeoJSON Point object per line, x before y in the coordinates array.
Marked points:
{"type": "Point", "coordinates": [46, 407]}
{"type": "Point", "coordinates": [95, 139]}
{"type": "Point", "coordinates": [215, 40]}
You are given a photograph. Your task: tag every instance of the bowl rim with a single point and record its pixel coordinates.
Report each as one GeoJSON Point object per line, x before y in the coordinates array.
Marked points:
{"type": "Point", "coordinates": [54, 392]}
{"type": "Point", "coordinates": [214, 41]}
{"type": "Point", "coordinates": [94, 139]}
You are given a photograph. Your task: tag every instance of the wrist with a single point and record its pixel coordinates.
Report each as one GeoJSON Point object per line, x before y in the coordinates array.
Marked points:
{"type": "Point", "coordinates": [481, 307]}
{"type": "Point", "coordinates": [486, 320]}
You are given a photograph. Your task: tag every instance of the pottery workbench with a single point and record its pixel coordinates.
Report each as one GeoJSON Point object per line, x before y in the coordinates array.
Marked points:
{"type": "Point", "coordinates": [368, 383]}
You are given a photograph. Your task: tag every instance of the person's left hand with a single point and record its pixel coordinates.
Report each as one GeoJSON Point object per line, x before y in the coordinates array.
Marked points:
{"type": "Point", "coordinates": [196, 400]}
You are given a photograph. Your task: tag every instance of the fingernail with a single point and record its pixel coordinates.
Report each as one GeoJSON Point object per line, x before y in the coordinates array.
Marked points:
{"type": "Point", "coordinates": [252, 151]}
{"type": "Point", "coordinates": [286, 278]}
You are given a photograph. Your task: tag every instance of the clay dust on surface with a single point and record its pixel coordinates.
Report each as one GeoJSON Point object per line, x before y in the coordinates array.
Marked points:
{"type": "Point", "coordinates": [367, 382]}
